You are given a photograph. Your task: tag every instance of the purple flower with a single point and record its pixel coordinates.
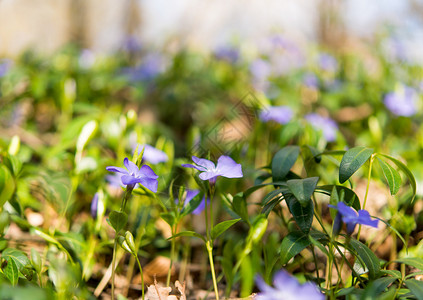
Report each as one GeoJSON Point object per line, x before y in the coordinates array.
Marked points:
{"type": "Point", "coordinates": [115, 180]}
{"type": "Point", "coordinates": [288, 288]}
{"type": "Point", "coordinates": [279, 114]}
{"type": "Point", "coordinates": [229, 54]}
{"type": "Point", "coordinates": [144, 176]}
{"type": "Point", "coordinates": [94, 206]}
{"type": "Point", "coordinates": [86, 59]}
{"type": "Point", "coordinates": [153, 155]}
{"type": "Point", "coordinates": [150, 68]}
{"type": "Point", "coordinates": [325, 124]}
{"type": "Point", "coordinates": [260, 70]}
{"type": "Point", "coordinates": [327, 62]}
{"type": "Point", "coordinates": [5, 65]}
{"type": "Point", "coordinates": [311, 80]}
{"type": "Point", "coordinates": [226, 167]}
{"type": "Point", "coordinates": [402, 102]}
{"type": "Point", "coordinates": [131, 44]}
{"type": "Point", "coordinates": [351, 218]}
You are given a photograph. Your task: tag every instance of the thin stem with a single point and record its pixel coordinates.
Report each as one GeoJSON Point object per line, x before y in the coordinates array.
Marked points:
{"type": "Point", "coordinates": [315, 263]}
{"type": "Point", "coordinates": [172, 255]}
{"type": "Point", "coordinates": [142, 277]}
{"type": "Point", "coordinates": [367, 191]}
{"type": "Point", "coordinates": [113, 266]}
{"type": "Point", "coordinates": [209, 246]}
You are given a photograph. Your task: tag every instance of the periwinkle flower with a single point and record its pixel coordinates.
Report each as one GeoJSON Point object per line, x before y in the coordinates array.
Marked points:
{"type": "Point", "coordinates": [287, 287]}
{"type": "Point", "coordinates": [144, 176]}
{"type": "Point", "coordinates": [402, 102]}
{"type": "Point", "coordinates": [115, 180]}
{"type": "Point", "coordinates": [327, 62]}
{"type": "Point", "coordinates": [150, 68]}
{"type": "Point", "coordinates": [131, 44]}
{"type": "Point", "coordinates": [260, 70]}
{"type": "Point", "coordinates": [229, 54]}
{"type": "Point", "coordinates": [351, 218]}
{"type": "Point", "coordinates": [310, 80]}
{"type": "Point", "coordinates": [325, 124]}
{"type": "Point", "coordinates": [225, 167]}
{"type": "Point", "coordinates": [5, 65]}
{"type": "Point", "coordinates": [279, 114]}
{"type": "Point", "coordinates": [152, 155]}
{"type": "Point", "coordinates": [94, 206]}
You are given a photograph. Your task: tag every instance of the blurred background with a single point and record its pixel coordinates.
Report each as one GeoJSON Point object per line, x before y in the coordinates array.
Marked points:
{"type": "Point", "coordinates": [104, 26]}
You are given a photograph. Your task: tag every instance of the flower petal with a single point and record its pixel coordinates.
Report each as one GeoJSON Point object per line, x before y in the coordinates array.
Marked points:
{"type": "Point", "coordinates": [132, 168]}
{"type": "Point", "coordinates": [128, 179]}
{"type": "Point", "coordinates": [208, 175]}
{"type": "Point", "coordinates": [117, 169]}
{"type": "Point", "coordinates": [227, 167]}
{"type": "Point", "coordinates": [193, 166]}
{"type": "Point", "coordinates": [146, 171]}
{"type": "Point", "coordinates": [149, 183]}
{"type": "Point", "coordinates": [153, 155]}
{"type": "Point", "coordinates": [364, 219]}
{"type": "Point", "coordinates": [205, 163]}
{"type": "Point", "coordinates": [282, 280]}
{"type": "Point", "coordinates": [263, 286]}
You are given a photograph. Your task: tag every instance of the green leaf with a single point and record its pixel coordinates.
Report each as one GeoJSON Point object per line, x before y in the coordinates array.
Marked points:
{"type": "Point", "coordinates": [350, 197]}
{"type": "Point", "coordinates": [19, 257]}
{"type": "Point", "coordinates": [118, 220]}
{"type": "Point", "coordinates": [406, 170]}
{"type": "Point", "coordinates": [377, 287]}
{"type": "Point", "coordinates": [188, 233]}
{"type": "Point", "coordinates": [416, 287]}
{"type": "Point", "coordinates": [367, 256]}
{"type": "Point", "coordinates": [352, 160]}
{"type": "Point", "coordinates": [391, 175]}
{"type": "Point", "coordinates": [272, 195]}
{"type": "Point", "coordinates": [269, 206]}
{"type": "Point", "coordinates": [11, 272]}
{"type": "Point", "coordinates": [303, 215]}
{"type": "Point", "coordinates": [36, 260]}
{"type": "Point", "coordinates": [192, 205]}
{"type": "Point", "coordinates": [220, 228]}
{"type": "Point", "coordinates": [292, 244]}
{"type": "Point", "coordinates": [169, 218]}
{"type": "Point", "coordinates": [415, 262]}
{"type": "Point", "coordinates": [257, 230]}
{"type": "Point", "coordinates": [394, 273]}
{"type": "Point", "coordinates": [13, 163]}
{"type": "Point", "coordinates": [283, 161]}
{"type": "Point", "coordinates": [302, 189]}
{"type": "Point", "coordinates": [239, 206]}
{"type": "Point", "coordinates": [7, 185]}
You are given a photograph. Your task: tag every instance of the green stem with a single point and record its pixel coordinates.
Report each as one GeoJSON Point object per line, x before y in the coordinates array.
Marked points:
{"type": "Point", "coordinates": [209, 246]}
{"type": "Point", "coordinates": [367, 191]}
{"type": "Point", "coordinates": [172, 255]}
{"type": "Point", "coordinates": [142, 277]}
{"type": "Point", "coordinates": [315, 263]}
{"type": "Point", "coordinates": [113, 266]}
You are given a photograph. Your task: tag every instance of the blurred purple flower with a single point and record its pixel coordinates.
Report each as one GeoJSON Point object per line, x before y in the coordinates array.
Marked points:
{"type": "Point", "coordinates": [94, 206]}
{"type": "Point", "coordinates": [150, 68]}
{"type": "Point", "coordinates": [152, 155]}
{"type": "Point", "coordinates": [226, 167]}
{"type": "Point", "coordinates": [288, 288]}
{"type": "Point", "coordinates": [260, 70]}
{"type": "Point", "coordinates": [402, 102]}
{"type": "Point", "coordinates": [311, 80]}
{"type": "Point", "coordinates": [279, 114]}
{"type": "Point", "coordinates": [351, 218]}
{"type": "Point", "coordinates": [115, 180]}
{"type": "Point", "coordinates": [131, 44]}
{"type": "Point", "coordinates": [144, 176]}
{"type": "Point", "coordinates": [86, 59]}
{"type": "Point", "coordinates": [325, 124]}
{"type": "Point", "coordinates": [5, 65]}
{"type": "Point", "coordinates": [327, 62]}
{"type": "Point", "coordinates": [191, 194]}
{"type": "Point", "coordinates": [229, 54]}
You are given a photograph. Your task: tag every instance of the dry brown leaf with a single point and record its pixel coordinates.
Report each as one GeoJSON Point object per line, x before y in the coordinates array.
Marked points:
{"type": "Point", "coordinates": [156, 292]}
{"type": "Point", "coordinates": [181, 289]}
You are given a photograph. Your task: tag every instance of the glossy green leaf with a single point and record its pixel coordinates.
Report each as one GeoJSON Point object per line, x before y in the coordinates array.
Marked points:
{"type": "Point", "coordinates": [220, 228]}
{"type": "Point", "coordinates": [239, 206]}
{"type": "Point", "coordinates": [270, 205]}
{"type": "Point", "coordinates": [392, 177]}
{"type": "Point", "coordinates": [303, 215]}
{"type": "Point", "coordinates": [192, 205]}
{"type": "Point", "coordinates": [169, 218]}
{"type": "Point", "coordinates": [257, 229]}
{"type": "Point", "coordinates": [36, 260]}
{"type": "Point", "coordinates": [13, 163]}
{"type": "Point", "coordinates": [350, 197]}
{"type": "Point", "coordinates": [19, 257]}
{"type": "Point", "coordinates": [415, 262]}
{"type": "Point", "coordinates": [7, 185]}
{"type": "Point", "coordinates": [367, 257]}
{"type": "Point", "coordinates": [272, 195]}
{"type": "Point", "coordinates": [415, 287]}
{"type": "Point", "coordinates": [352, 160]}
{"type": "Point", "coordinates": [188, 233]}
{"type": "Point", "coordinates": [377, 287]}
{"type": "Point", "coordinates": [302, 189]}
{"type": "Point", "coordinates": [283, 161]}
{"type": "Point", "coordinates": [292, 244]}
{"type": "Point", "coordinates": [118, 220]}
{"type": "Point", "coordinates": [403, 168]}
{"type": "Point", "coordinates": [393, 273]}
{"type": "Point", "coordinates": [11, 272]}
